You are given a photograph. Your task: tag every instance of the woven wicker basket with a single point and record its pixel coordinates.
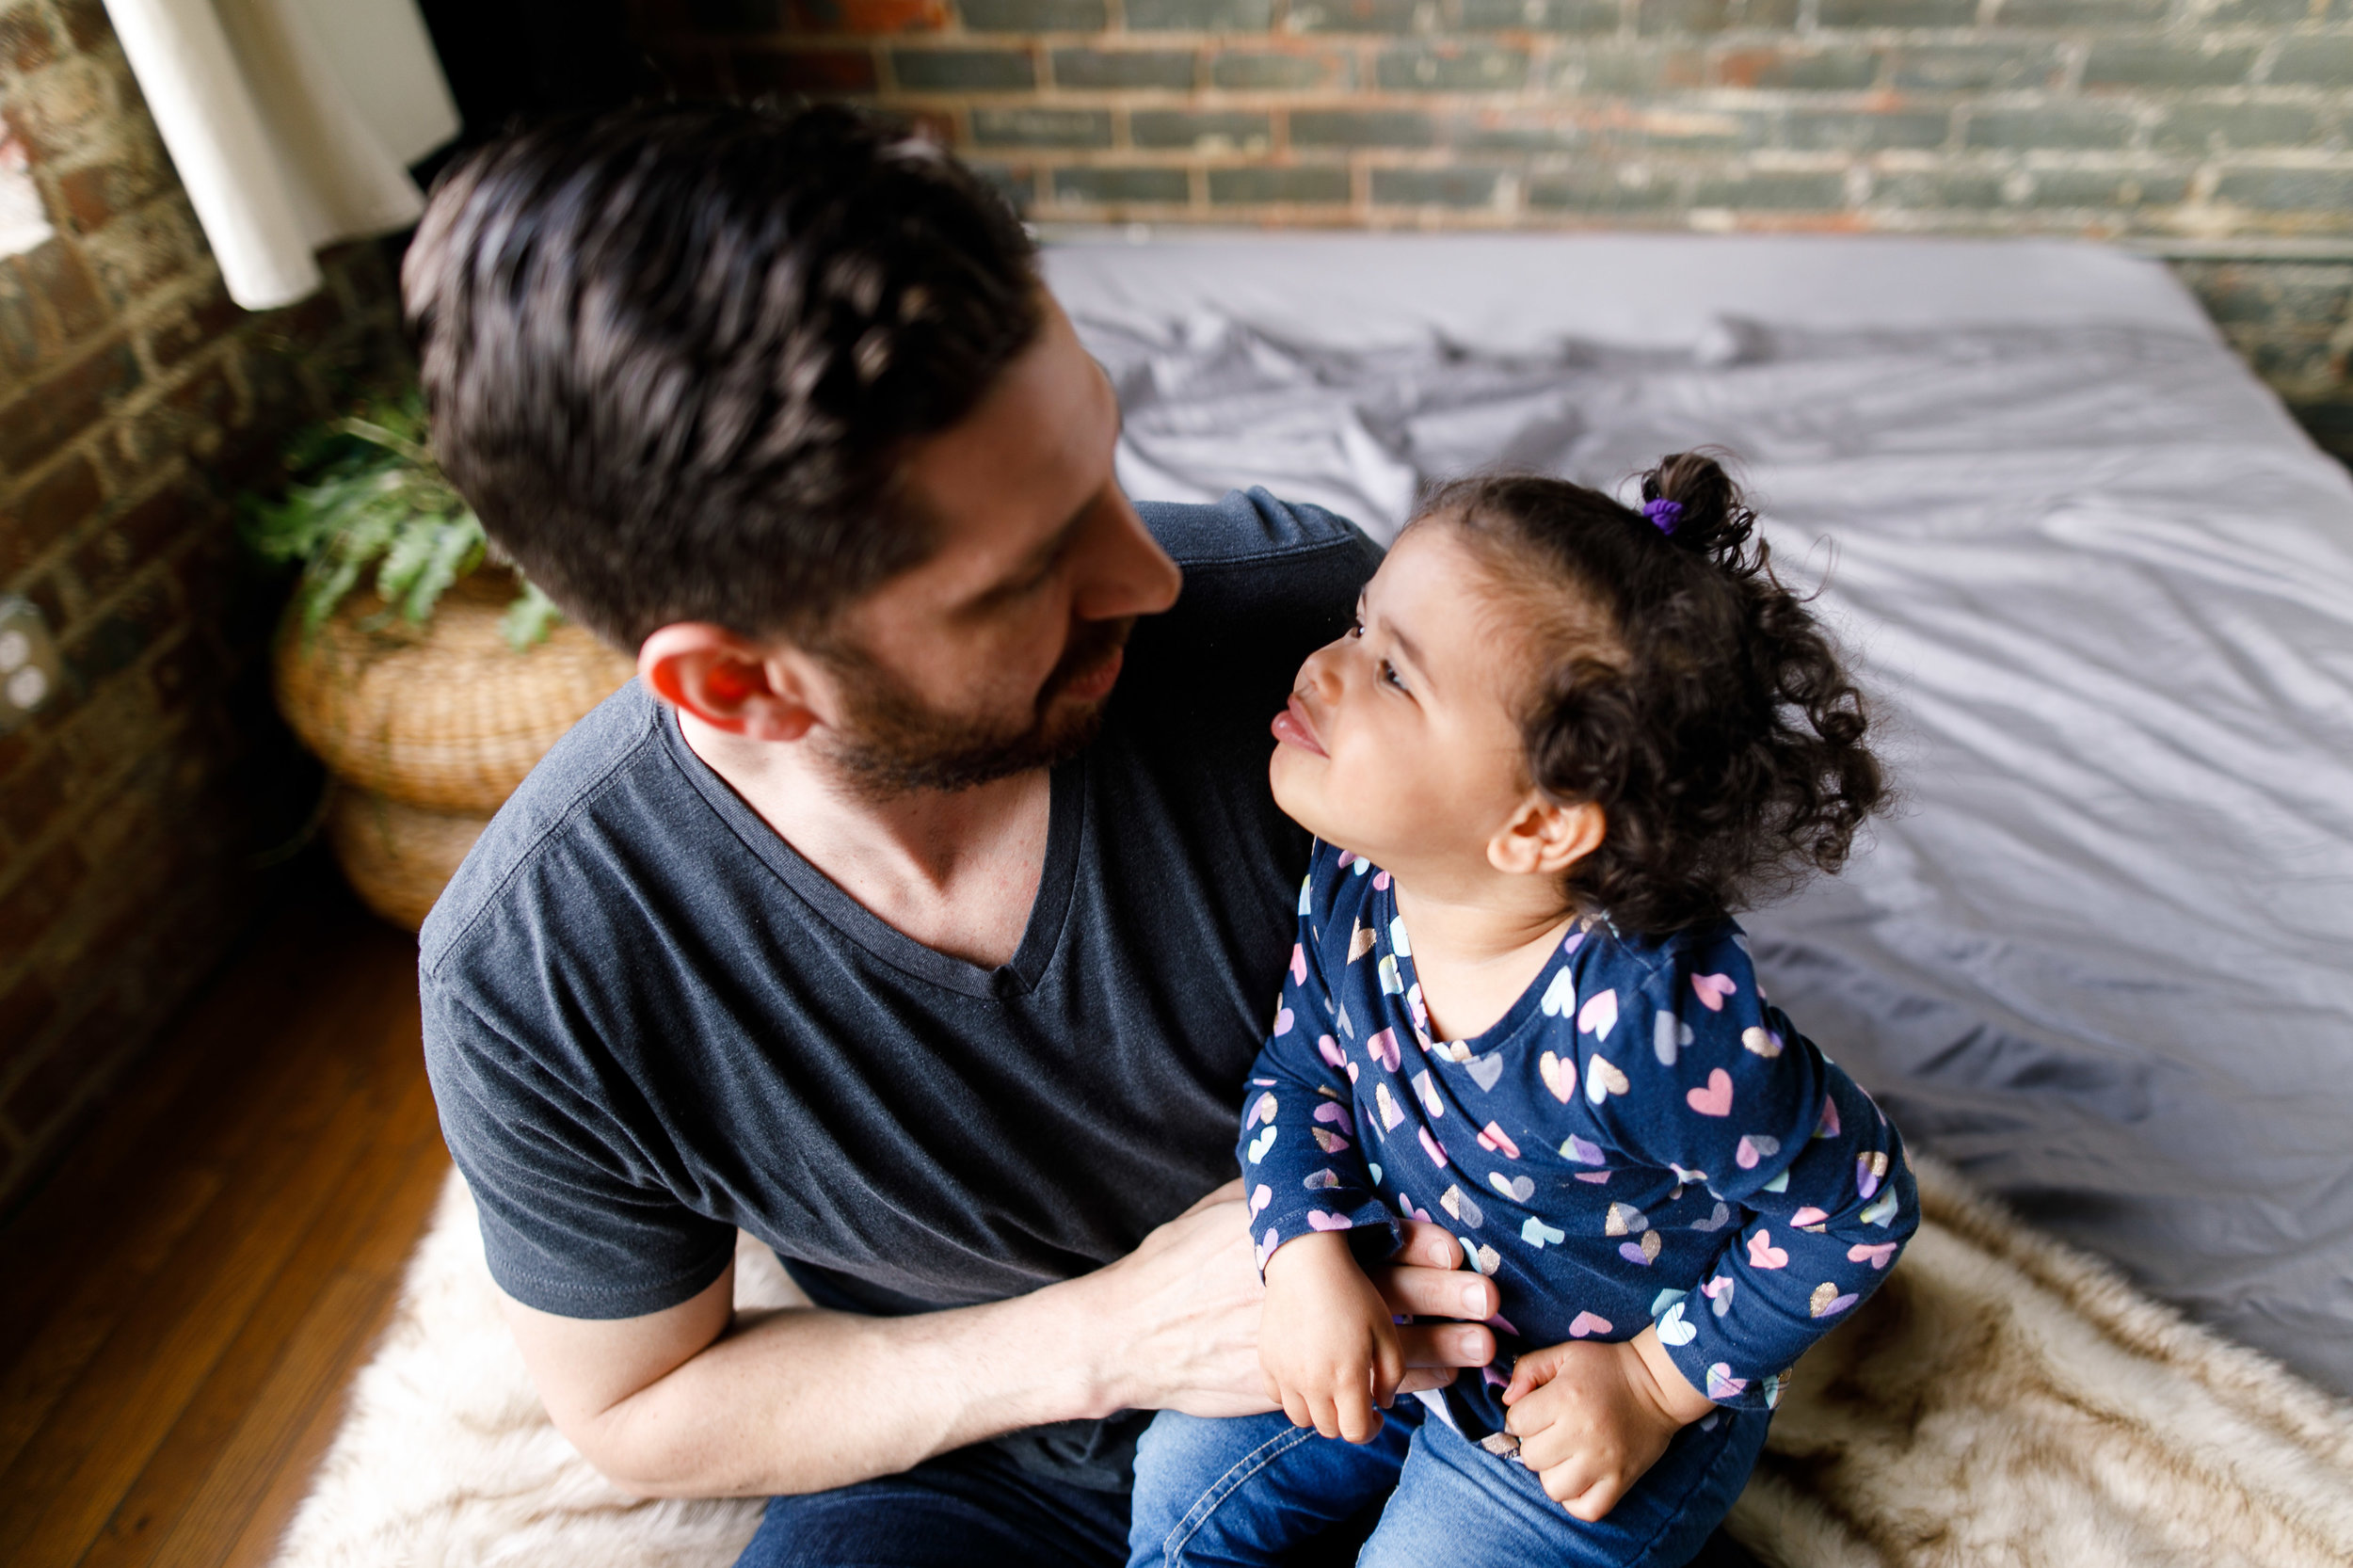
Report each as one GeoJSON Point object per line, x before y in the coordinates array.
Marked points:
{"type": "Point", "coordinates": [443, 716]}
{"type": "Point", "coordinates": [398, 857]}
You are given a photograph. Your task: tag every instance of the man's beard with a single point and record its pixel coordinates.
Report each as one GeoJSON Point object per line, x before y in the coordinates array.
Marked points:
{"type": "Point", "coordinates": [891, 743]}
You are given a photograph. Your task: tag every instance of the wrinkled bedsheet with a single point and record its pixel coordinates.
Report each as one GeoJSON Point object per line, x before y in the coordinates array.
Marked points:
{"type": "Point", "coordinates": [2100, 586]}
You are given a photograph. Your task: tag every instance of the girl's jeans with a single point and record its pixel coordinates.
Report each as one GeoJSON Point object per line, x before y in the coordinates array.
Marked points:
{"type": "Point", "coordinates": [1211, 1494]}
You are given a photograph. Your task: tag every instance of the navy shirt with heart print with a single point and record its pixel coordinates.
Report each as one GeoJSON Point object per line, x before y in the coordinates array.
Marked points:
{"type": "Point", "coordinates": [1643, 1137]}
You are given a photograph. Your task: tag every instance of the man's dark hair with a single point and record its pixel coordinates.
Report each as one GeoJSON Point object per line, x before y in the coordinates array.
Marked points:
{"type": "Point", "coordinates": [675, 355]}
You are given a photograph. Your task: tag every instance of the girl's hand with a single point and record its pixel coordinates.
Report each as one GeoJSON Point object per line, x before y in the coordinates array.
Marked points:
{"type": "Point", "coordinates": [1325, 1339]}
{"type": "Point", "coordinates": [1592, 1418]}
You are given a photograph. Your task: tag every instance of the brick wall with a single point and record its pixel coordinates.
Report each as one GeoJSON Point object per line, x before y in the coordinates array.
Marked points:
{"type": "Point", "coordinates": [134, 399]}
{"type": "Point", "coordinates": [2209, 124]}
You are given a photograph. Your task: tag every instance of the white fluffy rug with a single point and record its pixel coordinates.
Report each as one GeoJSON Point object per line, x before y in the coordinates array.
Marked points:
{"type": "Point", "coordinates": [2001, 1401]}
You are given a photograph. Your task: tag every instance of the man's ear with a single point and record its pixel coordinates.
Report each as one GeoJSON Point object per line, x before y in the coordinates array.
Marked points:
{"type": "Point", "coordinates": [1546, 838]}
{"type": "Point", "coordinates": [759, 691]}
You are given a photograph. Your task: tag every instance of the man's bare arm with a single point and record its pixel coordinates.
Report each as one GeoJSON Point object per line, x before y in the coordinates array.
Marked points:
{"type": "Point", "coordinates": [693, 1401]}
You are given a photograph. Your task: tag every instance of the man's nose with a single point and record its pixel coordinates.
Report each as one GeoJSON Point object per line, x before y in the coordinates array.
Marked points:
{"type": "Point", "coordinates": [1124, 571]}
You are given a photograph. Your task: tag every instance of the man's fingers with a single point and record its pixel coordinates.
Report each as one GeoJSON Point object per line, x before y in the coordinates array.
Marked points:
{"type": "Point", "coordinates": [1430, 1246]}
{"type": "Point", "coordinates": [1230, 1193]}
{"type": "Point", "coordinates": [1418, 1378]}
{"type": "Point", "coordinates": [1418, 1293]}
{"type": "Point", "coordinates": [1445, 1345]}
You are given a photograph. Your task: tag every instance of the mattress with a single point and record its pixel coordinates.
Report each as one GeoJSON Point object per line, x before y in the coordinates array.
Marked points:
{"type": "Point", "coordinates": [2099, 586]}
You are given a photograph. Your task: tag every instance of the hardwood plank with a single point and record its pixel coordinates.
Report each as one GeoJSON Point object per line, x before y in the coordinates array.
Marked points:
{"type": "Point", "coordinates": [283, 1324]}
{"type": "Point", "coordinates": [61, 1490]}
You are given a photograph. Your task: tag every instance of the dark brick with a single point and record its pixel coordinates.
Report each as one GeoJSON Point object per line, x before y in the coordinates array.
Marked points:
{"type": "Point", "coordinates": [1974, 67]}
{"type": "Point", "coordinates": [57, 273]}
{"type": "Point", "coordinates": [2305, 364]}
{"type": "Point", "coordinates": [1357, 16]}
{"type": "Point", "coordinates": [86, 23]}
{"type": "Point", "coordinates": [2073, 126]}
{"type": "Point", "coordinates": [1668, 127]}
{"type": "Point", "coordinates": [1042, 127]}
{"type": "Point", "coordinates": [2321, 62]}
{"type": "Point", "coordinates": [1506, 130]}
{"type": "Point", "coordinates": [2330, 423]}
{"type": "Point", "coordinates": [1457, 68]}
{"type": "Point", "coordinates": [1600, 191]}
{"type": "Point", "coordinates": [2081, 13]}
{"type": "Point", "coordinates": [2085, 187]}
{"type": "Point", "coordinates": [1937, 188]}
{"type": "Point", "coordinates": [1541, 16]}
{"type": "Point", "coordinates": [1633, 71]}
{"type": "Point", "coordinates": [1105, 186]}
{"type": "Point", "coordinates": [25, 40]}
{"type": "Point", "coordinates": [804, 71]}
{"type": "Point", "coordinates": [1035, 16]}
{"type": "Point", "coordinates": [1361, 128]}
{"type": "Point", "coordinates": [2228, 127]}
{"type": "Point", "coordinates": [2151, 62]}
{"type": "Point", "coordinates": [869, 16]}
{"type": "Point", "coordinates": [1794, 68]}
{"type": "Point", "coordinates": [736, 16]}
{"type": "Point", "coordinates": [963, 69]}
{"type": "Point", "coordinates": [1295, 69]}
{"type": "Point", "coordinates": [36, 797]}
{"type": "Point", "coordinates": [1200, 16]}
{"type": "Point", "coordinates": [1210, 131]}
{"type": "Point", "coordinates": [45, 513]}
{"type": "Point", "coordinates": [117, 639]}
{"type": "Point", "coordinates": [38, 897]}
{"type": "Point", "coordinates": [96, 194]}
{"type": "Point", "coordinates": [1774, 189]}
{"type": "Point", "coordinates": [1713, 16]}
{"type": "Point", "coordinates": [43, 420]}
{"type": "Point", "coordinates": [1435, 187]}
{"type": "Point", "coordinates": [1861, 130]}
{"type": "Point", "coordinates": [2279, 295]}
{"type": "Point", "coordinates": [1314, 184]}
{"type": "Point", "coordinates": [2281, 190]}
{"type": "Point", "coordinates": [141, 534]}
{"type": "Point", "coordinates": [202, 321]}
{"type": "Point", "coordinates": [1898, 13]}
{"type": "Point", "coordinates": [26, 1010]}
{"type": "Point", "coordinates": [1016, 182]}
{"type": "Point", "coordinates": [23, 332]}
{"type": "Point", "coordinates": [182, 673]}
{"type": "Point", "coordinates": [2225, 14]}
{"type": "Point", "coordinates": [1125, 68]}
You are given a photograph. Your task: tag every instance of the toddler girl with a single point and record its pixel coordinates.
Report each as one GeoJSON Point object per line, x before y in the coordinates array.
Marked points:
{"type": "Point", "coordinates": [1564, 740]}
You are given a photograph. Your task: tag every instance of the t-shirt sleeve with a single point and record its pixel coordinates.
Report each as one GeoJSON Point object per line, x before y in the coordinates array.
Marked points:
{"type": "Point", "coordinates": [565, 1226]}
{"type": "Point", "coordinates": [1716, 1083]}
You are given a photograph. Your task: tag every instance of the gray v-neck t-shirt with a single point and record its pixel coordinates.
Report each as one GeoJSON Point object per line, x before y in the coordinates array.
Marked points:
{"type": "Point", "coordinates": [649, 1022]}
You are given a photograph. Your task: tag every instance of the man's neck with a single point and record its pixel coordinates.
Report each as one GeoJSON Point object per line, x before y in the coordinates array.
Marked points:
{"type": "Point", "coordinates": [956, 870]}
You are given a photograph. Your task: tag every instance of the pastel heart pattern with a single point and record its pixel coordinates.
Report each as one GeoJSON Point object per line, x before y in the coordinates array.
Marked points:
{"type": "Point", "coordinates": [1665, 1299]}
{"type": "Point", "coordinates": [1714, 1100]}
{"type": "Point", "coordinates": [1379, 882]}
{"type": "Point", "coordinates": [1336, 1113]}
{"type": "Point", "coordinates": [1261, 1110]}
{"type": "Point", "coordinates": [1560, 995]}
{"type": "Point", "coordinates": [1599, 1014]}
{"type": "Point", "coordinates": [1349, 859]}
{"type": "Point", "coordinates": [1457, 1202]}
{"type": "Point", "coordinates": [1713, 991]}
{"type": "Point", "coordinates": [1722, 1384]}
{"type": "Point", "coordinates": [1383, 1049]}
{"type": "Point", "coordinates": [1598, 1178]}
{"type": "Point", "coordinates": [1624, 1219]}
{"type": "Point", "coordinates": [1384, 1105]}
{"type": "Point", "coordinates": [1323, 1181]}
{"type": "Point", "coordinates": [1518, 1189]}
{"type": "Point", "coordinates": [1828, 1125]}
{"type": "Point", "coordinates": [1431, 1147]}
{"type": "Point", "coordinates": [1495, 1141]}
{"type": "Point", "coordinates": [1674, 1330]}
{"type": "Point", "coordinates": [1485, 1070]}
{"type": "Point", "coordinates": [1669, 1034]}
{"type": "Point", "coordinates": [1719, 1301]}
{"type": "Point", "coordinates": [1392, 983]}
{"type": "Point", "coordinates": [1755, 1148]}
{"type": "Point", "coordinates": [1360, 941]}
{"type": "Point", "coordinates": [1261, 1195]}
{"type": "Point", "coordinates": [1643, 1251]}
{"type": "Point", "coordinates": [1587, 1322]}
{"type": "Point", "coordinates": [1764, 1255]}
{"type": "Point", "coordinates": [1488, 1259]}
{"type": "Point", "coordinates": [1299, 964]}
{"type": "Point", "coordinates": [1267, 1244]}
{"type": "Point", "coordinates": [1716, 1221]}
{"type": "Point", "coordinates": [1330, 1050]}
{"type": "Point", "coordinates": [1560, 1076]}
{"type": "Point", "coordinates": [1398, 940]}
{"type": "Point", "coordinates": [1773, 1386]}
{"type": "Point", "coordinates": [1808, 1217]}
{"type": "Point", "coordinates": [1284, 1018]}
{"type": "Point", "coordinates": [1869, 1171]}
{"type": "Point", "coordinates": [1406, 1206]}
{"type": "Point", "coordinates": [1537, 1234]}
{"type": "Point", "coordinates": [1877, 1255]}
{"type": "Point", "coordinates": [1603, 1079]}
{"type": "Point", "coordinates": [1573, 1147]}
{"type": "Point", "coordinates": [1779, 1184]}
{"type": "Point", "coordinates": [1575, 939]}
{"type": "Point", "coordinates": [1719, 1284]}
{"type": "Point", "coordinates": [1330, 1143]}
{"type": "Point", "coordinates": [1262, 1143]}
{"type": "Point", "coordinates": [1880, 1209]}
{"type": "Point", "coordinates": [1375, 1172]}
{"type": "Point", "coordinates": [1761, 1042]}
{"type": "Point", "coordinates": [1827, 1301]}
{"type": "Point", "coordinates": [1318, 1219]}
{"type": "Point", "coordinates": [1352, 1072]}
{"type": "Point", "coordinates": [1428, 1094]}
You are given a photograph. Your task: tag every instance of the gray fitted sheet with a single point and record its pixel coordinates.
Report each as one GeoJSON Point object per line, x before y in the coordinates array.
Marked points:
{"type": "Point", "coordinates": [2101, 585]}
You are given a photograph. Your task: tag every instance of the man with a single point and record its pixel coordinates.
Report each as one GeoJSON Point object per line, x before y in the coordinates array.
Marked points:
{"type": "Point", "coordinates": [920, 906]}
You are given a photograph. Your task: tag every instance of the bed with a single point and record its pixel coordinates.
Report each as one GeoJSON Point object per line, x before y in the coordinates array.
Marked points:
{"type": "Point", "coordinates": [2099, 582]}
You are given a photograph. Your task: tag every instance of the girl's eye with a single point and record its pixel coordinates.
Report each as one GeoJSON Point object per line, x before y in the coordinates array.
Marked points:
{"type": "Point", "coordinates": [1388, 674]}
{"type": "Point", "coordinates": [1355, 628]}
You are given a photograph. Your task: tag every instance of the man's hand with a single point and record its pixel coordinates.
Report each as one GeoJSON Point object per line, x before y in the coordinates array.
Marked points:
{"type": "Point", "coordinates": [1181, 1314]}
{"type": "Point", "coordinates": [1325, 1341]}
{"type": "Point", "coordinates": [1592, 1417]}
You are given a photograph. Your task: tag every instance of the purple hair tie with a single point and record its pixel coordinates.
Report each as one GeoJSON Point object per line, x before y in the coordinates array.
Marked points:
{"type": "Point", "coordinates": [1663, 513]}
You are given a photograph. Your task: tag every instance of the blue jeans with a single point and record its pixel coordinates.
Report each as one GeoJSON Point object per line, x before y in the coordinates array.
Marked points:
{"type": "Point", "coordinates": [973, 1508]}
{"type": "Point", "coordinates": [1221, 1494]}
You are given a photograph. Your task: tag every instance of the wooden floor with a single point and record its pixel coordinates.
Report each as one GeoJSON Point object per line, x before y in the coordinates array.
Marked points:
{"type": "Point", "coordinates": [186, 1299]}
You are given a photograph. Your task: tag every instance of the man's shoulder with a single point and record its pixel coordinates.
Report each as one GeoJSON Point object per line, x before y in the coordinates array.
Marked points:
{"type": "Point", "coordinates": [1246, 528]}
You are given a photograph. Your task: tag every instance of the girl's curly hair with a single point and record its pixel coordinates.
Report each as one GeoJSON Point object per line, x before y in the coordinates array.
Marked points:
{"type": "Point", "coordinates": [1680, 686]}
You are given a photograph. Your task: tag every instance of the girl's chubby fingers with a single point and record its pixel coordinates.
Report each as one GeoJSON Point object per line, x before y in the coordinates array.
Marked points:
{"type": "Point", "coordinates": [1358, 1420]}
{"type": "Point", "coordinates": [1295, 1407]}
{"type": "Point", "coordinates": [1532, 1371]}
{"type": "Point", "coordinates": [1594, 1503]}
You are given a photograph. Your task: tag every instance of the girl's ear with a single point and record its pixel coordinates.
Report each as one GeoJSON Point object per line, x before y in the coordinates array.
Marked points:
{"type": "Point", "coordinates": [730, 681]}
{"type": "Point", "coordinates": [1545, 837]}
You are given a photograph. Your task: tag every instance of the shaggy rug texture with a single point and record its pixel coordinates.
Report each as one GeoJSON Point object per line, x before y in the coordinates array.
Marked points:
{"type": "Point", "coordinates": [2001, 1401]}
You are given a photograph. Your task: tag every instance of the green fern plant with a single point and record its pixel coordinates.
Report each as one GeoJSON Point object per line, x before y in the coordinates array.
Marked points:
{"type": "Point", "coordinates": [368, 496]}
